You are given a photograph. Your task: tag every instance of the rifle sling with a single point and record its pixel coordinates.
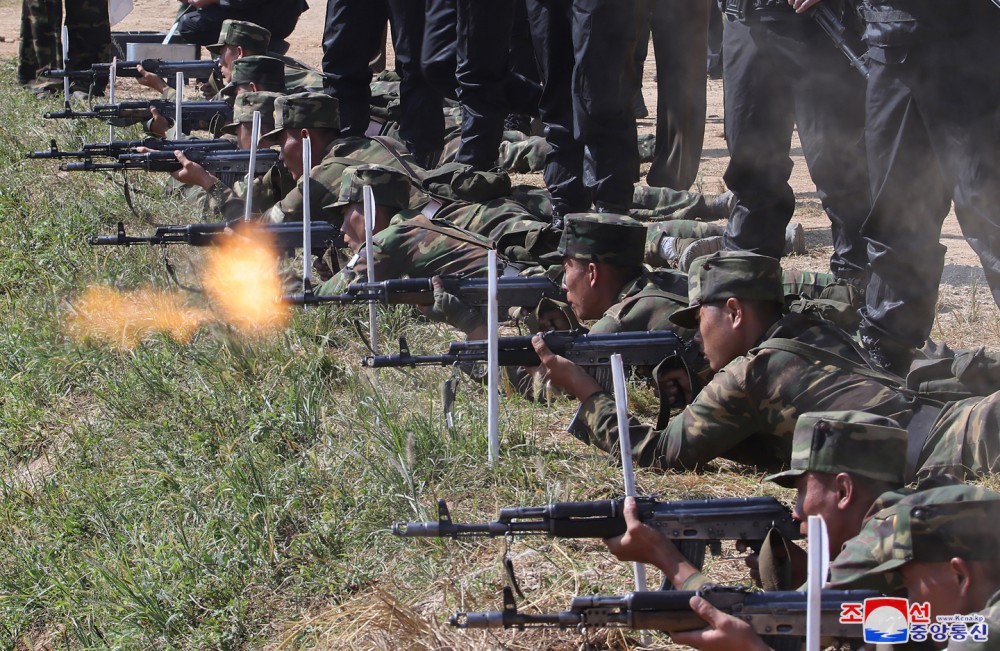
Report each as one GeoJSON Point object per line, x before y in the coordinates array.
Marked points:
{"type": "Point", "coordinates": [394, 151]}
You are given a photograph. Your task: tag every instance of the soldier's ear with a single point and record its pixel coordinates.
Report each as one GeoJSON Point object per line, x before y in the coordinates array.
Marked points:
{"type": "Point", "coordinates": [962, 573]}
{"type": "Point", "coordinates": [844, 485]}
{"type": "Point", "coordinates": [593, 274]}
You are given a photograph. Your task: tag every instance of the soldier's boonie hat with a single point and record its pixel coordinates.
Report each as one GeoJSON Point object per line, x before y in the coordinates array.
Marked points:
{"type": "Point", "coordinates": [305, 111]}
{"type": "Point", "coordinates": [241, 33]}
{"type": "Point", "coordinates": [729, 274]}
{"type": "Point", "coordinates": [390, 187]}
{"type": "Point", "coordinates": [939, 524]}
{"type": "Point", "coordinates": [258, 69]}
{"type": "Point", "coordinates": [846, 441]}
{"type": "Point", "coordinates": [246, 104]}
{"type": "Point", "coordinates": [603, 237]}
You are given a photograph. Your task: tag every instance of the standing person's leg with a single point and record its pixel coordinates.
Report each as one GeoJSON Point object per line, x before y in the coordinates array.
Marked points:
{"type": "Point", "coordinates": [679, 28]}
{"type": "Point", "coordinates": [603, 44]}
{"type": "Point", "coordinates": [715, 21]}
{"type": "Point", "coordinates": [438, 57]}
{"type": "Point", "coordinates": [350, 42]}
{"type": "Point", "coordinates": [552, 37]}
{"type": "Point", "coordinates": [421, 122]}
{"type": "Point", "coordinates": [482, 68]}
{"type": "Point", "coordinates": [89, 36]}
{"type": "Point", "coordinates": [643, 13]}
{"type": "Point", "coordinates": [830, 114]}
{"type": "Point", "coordinates": [40, 48]}
{"type": "Point", "coordinates": [524, 84]}
{"type": "Point", "coordinates": [759, 121]}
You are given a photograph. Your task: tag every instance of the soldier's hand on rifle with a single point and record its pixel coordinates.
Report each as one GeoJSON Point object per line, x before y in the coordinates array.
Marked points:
{"type": "Point", "coordinates": [449, 308]}
{"type": "Point", "coordinates": [675, 384]}
{"type": "Point", "coordinates": [563, 373]}
{"type": "Point", "coordinates": [159, 124]}
{"type": "Point", "coordinates": [723, 633]}
{"type": "Point", "coordinates": [802, 5]}
{"type": "Point", "coordinates": [192, 173]}
{"type": "Point", "coordinates": [150, 80]}
{"type": "Point", "coordinates": [642, 543]}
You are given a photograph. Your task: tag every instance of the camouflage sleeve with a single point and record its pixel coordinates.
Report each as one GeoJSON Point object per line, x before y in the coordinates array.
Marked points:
{"type": "Point", "coordinates": [721, 416]}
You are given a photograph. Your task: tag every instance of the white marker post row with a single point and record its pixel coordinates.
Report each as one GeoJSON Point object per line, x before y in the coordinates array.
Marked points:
{"type": "Point", "coordinates": [254, 136]}
{"type": "Point", "coordinates": [819, 563]}
{"type": "Point", "coordinates": [369, 204]}
{"type": "Point", "coordinates": [492, 360]}
{"type": "Point", "coordinates": [306, 217]}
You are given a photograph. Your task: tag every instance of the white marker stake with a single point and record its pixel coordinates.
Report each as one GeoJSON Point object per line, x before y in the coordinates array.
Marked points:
{"type": "Point", "coordinates": [306, 212]}
{"type": "Point", "coordinates": [112, 79]}
{"type": "Point", "coordinates": [625, 445]}
{"type": "Point", "coordinates": [254, 136]}
{"type": "Point", "coordinates": [178, 103]}
{"type": "Point", "coordinates": [369, 203]}
{"type": "Point", "coordinates": [492, 361]}
{"type": "Point", "coordinates": [819, 562]}
{"type": "Point", "coordinates": [65, 51]}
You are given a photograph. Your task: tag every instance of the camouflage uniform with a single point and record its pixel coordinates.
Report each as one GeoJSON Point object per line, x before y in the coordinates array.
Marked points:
{"type": "Point", "coordinates": [412, 245]}
{"type": "Point", "coordinates": [927, 526]}
{"type": "Point", "coordinates": [41, 40]}
{"type": "Point", "coordinates": [748, 410]}
{"type": "Point", "coordinates": [269, 188]}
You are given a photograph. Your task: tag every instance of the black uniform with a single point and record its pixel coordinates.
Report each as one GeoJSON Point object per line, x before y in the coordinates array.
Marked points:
{"type": "Point", "coordinates": [584, 50]}
{"type": "Point", "coordinates": [781, 70]}
{"type": "Point", "coordinates": [933, 136]}
{"type": "Point", "coordinates": [351, 40]}
{"type": "Point", "coordinates": [202, 26]}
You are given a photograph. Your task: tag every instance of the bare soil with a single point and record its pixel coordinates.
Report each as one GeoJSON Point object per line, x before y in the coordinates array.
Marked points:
{"type": "Point", "coordinates": [967, 315]}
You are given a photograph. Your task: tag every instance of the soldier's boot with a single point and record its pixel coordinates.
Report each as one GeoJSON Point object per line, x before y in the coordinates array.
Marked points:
{"type": "Point", "coordinates": [721, 206]}
{"type": "Point", "coordinates": [795, 240]}
{"type": "Point", "coordinates": [694, 249]}
{"type": "Point", "coordinates": [891, 356]}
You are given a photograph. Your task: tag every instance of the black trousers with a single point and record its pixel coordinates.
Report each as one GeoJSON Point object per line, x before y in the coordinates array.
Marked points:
{"type": "Point", "coordinates": [780, 70]}
{"type": "Point", "coordinates": [679, 28]}
{"type": "Point", "coordinates": [584, 50]}
{"type": "Point", "coordinates": [351, 41]}
{"type": "Point", "coordinates": [933, 136]}
{"type": "Point", "coordinates": [202, 26]}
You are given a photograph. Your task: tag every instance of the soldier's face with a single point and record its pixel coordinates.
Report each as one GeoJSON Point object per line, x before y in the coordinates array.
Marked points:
{"type": "Point", "coordinates": [716, 334]}
{"type": "Point", "coordinates": [817, 494]}
{"type": "Point", "coordinates": [227, 55]}
{"type": "Point", "coordinates": [353, 226]}
{"type": "Point", "coordinates": [578, 283]}
{"type": "Point", "coordinates": [291, 151]}
{"type": "Point", "coordinates": [939, 585]}
{"type": "Point", "coordinates": [243, 134]}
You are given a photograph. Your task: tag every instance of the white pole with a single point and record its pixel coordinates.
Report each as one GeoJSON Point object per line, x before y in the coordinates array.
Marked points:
{"type": "Point", "coordinates": [248, 199]}
{"type": "Point", "coordinates": [306, 213]}
{"type": "Point", "coordinates": [112, 78]}
{"type": "Point", "coordinates": [65, 53]}
{"type": "Point", "coordinates": [492, 362]}
{"type": "Point", "coordinates": [369, 204]}
{"type": "Point", "coordinates": [625, 445]}
{"type": "Point", "coordinates": [178, 103]}
{"type": "Point", "coordinates": [819, 561]}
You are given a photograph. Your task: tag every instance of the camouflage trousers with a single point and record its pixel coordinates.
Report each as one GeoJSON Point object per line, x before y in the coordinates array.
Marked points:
{"type": "Point", "coordinates": [41, 40]}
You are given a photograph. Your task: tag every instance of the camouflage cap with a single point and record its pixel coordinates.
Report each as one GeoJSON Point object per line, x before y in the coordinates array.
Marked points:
{"type": "Point", "coordinates": [258, 69]}
{"type": "Point", "coordinates": [729, 274]}
{"type": "Point", "coordinates": [241, 33]}
{"type": "Point", "coordinates": [390, 187]}
{"type": "Point", "coordinates": [246, 104]}
{"type": "Point", "coordinates": [305, 111]}
{"type": "Point", "coordinates": [846, 441]}
{"type": "Point", "coordinates": [938, 524]}
{"type": "Point", "coordinates": [603, 237]}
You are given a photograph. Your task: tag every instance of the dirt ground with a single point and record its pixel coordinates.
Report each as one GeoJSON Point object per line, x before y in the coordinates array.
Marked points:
{"type": "Point", "coordinates": [964, 301]}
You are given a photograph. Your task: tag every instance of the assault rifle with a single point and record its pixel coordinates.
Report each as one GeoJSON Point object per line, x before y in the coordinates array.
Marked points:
{"type": "Point", "coordinates": [229, 166]}
{"type": "Point", "coordinates": [285, 236]}
{"type": "Point", "coordinates": [116, 148]}
{"type": "Point", "coordinates": [512, 291]}
{"type": "Point", "coordinates": [835, 29]}
{"type": "Point", "coordinates": [780, 617]}
{"type": "Point", "coordinates": [692, 525]}
{"type": "Point", "coordinates": [195, 115]}
{"type": "Point", "coordinates": [196, 69]}
{"type": "Point", "coordinates": [646, 348]}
